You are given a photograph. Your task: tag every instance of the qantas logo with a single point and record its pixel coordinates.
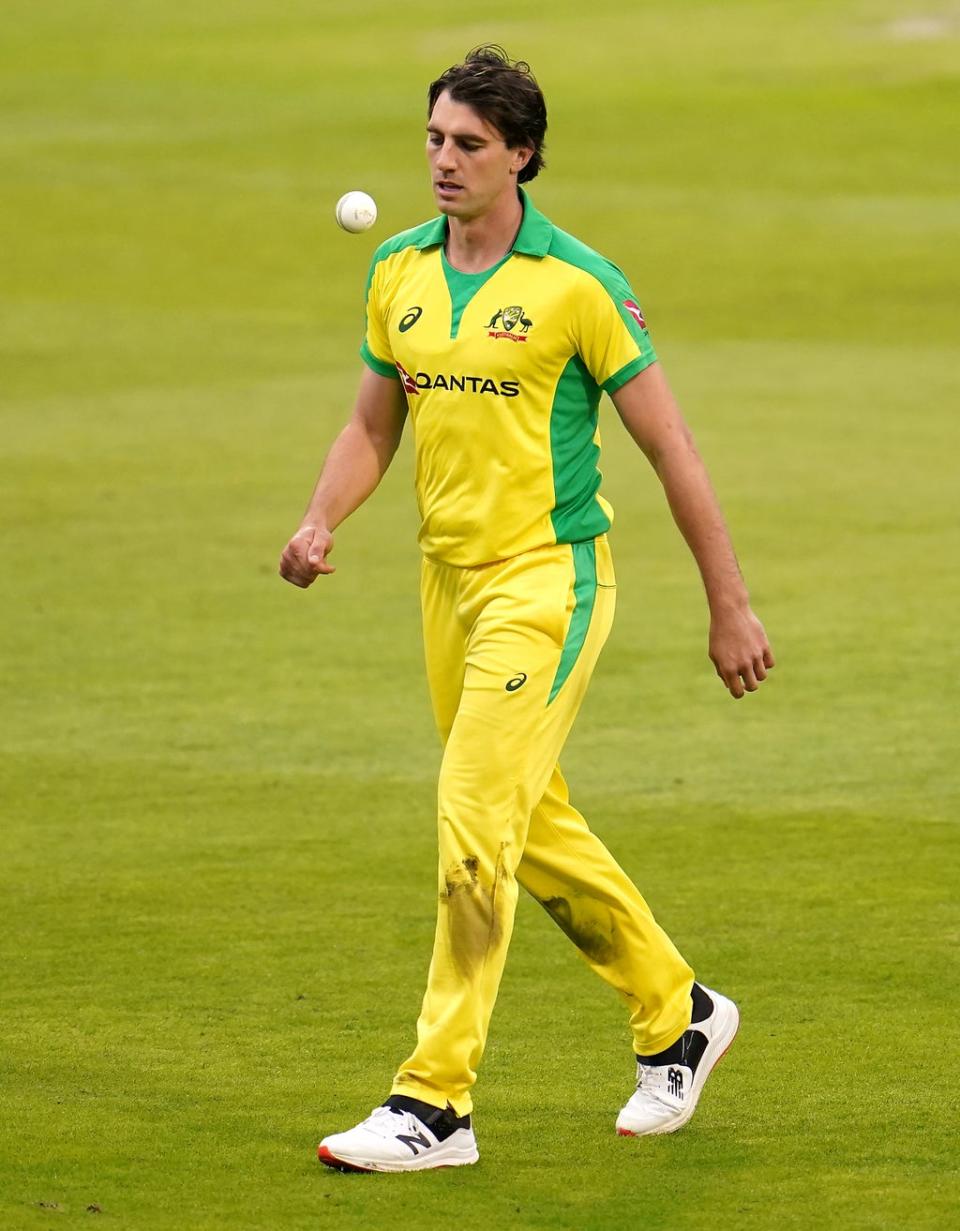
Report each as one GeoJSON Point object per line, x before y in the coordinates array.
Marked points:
{"type": "Point", "coordinates": [457, 384]}
{"type": "Point", "coordinates": [409, 384]}
{"type": "Point", "coordinates": [634, 310]}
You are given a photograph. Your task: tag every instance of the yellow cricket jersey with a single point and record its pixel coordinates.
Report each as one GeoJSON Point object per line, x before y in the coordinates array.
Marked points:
{"type": "Point", "coordinates": [503, 372]}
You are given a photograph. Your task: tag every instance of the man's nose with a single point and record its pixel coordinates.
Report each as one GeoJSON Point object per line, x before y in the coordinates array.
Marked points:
{"type": "Point", "coordinates": [446, 159]}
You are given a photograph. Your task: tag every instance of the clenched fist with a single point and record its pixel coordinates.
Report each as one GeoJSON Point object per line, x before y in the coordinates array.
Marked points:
{"type": "Point", "coordinates": [739, 650]}
{"type": "Point", "coordinates": [304, 558]}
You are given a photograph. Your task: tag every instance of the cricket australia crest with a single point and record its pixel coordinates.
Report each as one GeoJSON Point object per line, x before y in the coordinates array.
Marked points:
{"type": "Point", "coordinates": [513, 324]}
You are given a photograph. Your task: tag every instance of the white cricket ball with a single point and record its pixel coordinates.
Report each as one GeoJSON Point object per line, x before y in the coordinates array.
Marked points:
{"type": "Point", "coordinates": [356, 212]}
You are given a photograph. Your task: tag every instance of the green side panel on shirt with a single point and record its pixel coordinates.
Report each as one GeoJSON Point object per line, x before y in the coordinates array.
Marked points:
{"type": "Point", "coordinates": [463, 287]}
{"type": "Point", "coordinates": [584, 593]}
{"type": "Point", "coordinates": [577, 513]}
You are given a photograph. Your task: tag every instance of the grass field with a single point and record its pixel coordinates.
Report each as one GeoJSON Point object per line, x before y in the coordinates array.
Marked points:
{"type": "Point", "coordinates": [217, 792]}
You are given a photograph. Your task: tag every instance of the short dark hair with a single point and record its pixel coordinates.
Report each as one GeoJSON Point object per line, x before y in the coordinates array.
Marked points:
{"type": "Point", "coordinates": [505, 93]}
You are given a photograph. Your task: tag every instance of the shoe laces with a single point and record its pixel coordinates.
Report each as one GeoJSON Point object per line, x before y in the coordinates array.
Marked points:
{"type": "Point", "coordinates": [653, 1081]}
{"type": "Point", "coordinates": [651, 1078]}
{"type": "Point", "coordinates": [383, 1121]}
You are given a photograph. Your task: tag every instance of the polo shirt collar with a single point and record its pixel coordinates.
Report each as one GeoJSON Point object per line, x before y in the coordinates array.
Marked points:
{"type": "Point", "coordinates": [533, 238]}
{"type": "Point", "coordinates": [536, 230]}
{"type": "Point", "coordinates": [434, 233]}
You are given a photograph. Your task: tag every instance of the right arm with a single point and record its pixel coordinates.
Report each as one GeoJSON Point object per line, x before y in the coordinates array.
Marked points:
{"type": "Point", "coordinates": [356, 463]}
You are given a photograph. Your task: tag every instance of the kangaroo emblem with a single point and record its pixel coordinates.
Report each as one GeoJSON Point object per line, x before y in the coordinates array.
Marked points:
{"type": "Point", "coordinates": [508, 319]}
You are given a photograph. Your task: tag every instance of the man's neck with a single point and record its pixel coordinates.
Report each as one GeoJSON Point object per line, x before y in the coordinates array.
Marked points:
{"type": "Point", "coordinates": [474, 244]}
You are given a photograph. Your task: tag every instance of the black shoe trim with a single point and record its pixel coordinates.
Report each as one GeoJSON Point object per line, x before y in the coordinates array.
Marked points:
{"type": "Point", "coordinates": [701, 1009]}
{"type": "Point", "coordinates": [687, 1050]}
{"type": "Point", "coordinates": [441, 1121]}
{"type": "Point", "coordinates": [703, 1006]}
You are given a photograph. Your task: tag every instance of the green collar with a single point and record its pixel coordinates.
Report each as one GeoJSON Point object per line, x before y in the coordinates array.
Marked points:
{"type": "Point", "coordinates": [533, 238]}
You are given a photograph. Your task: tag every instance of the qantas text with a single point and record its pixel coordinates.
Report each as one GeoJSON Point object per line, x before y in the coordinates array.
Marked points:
{"type": "Point", "coordinates": [460, 384]}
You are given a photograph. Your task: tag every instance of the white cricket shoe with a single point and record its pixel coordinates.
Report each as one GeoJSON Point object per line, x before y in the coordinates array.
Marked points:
{"type": "Point", "coordinates": [669, 1084]}
{"type": "Point", "coordinates": [395, 1138]}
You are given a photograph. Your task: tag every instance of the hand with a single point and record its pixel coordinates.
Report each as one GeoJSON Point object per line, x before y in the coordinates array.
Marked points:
{"type": "Point", "coordinates": [739, 649]}
{"type": "Point", "coordinates": [304, 558]}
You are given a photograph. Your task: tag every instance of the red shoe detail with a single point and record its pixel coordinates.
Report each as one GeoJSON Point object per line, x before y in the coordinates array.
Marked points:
{"type": "Point", "coordinates": [728, 1046]}
{"type": "Point", "coordinates": [625, 1132]}
{"type": "Point", "coordinates": [332, 1161]}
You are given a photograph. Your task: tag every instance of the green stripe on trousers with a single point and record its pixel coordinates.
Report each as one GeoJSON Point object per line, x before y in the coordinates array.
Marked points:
{"type": "Point", "coordinates": [585, 592]}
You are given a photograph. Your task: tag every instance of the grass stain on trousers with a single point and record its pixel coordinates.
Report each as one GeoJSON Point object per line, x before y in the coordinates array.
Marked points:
{"type": "Point", "coordinates": [504, 814]}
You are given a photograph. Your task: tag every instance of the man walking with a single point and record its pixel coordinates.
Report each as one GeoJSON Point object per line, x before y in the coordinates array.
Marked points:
{"type": "Point", "coordinates": [497, 334]}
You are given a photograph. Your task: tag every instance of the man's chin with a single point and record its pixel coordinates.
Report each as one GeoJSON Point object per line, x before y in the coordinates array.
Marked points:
{"type": "Point", "coordinates": [453, 208]}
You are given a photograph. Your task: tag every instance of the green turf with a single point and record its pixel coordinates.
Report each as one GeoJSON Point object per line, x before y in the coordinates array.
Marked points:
{"type": "Point", "coordinates": [217, 855]}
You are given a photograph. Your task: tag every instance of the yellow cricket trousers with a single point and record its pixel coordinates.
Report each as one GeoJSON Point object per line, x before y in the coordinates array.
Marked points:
{"type": "Point", "coordinates": [510, 648]}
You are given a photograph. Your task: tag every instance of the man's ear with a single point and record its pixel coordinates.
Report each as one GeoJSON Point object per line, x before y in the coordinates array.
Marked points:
{"type": "Point", "coordinates": [522, 156]}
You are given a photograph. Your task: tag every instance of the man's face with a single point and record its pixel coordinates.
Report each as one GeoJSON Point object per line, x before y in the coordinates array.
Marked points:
{"type": "Point", "coordinates": [470, 164]}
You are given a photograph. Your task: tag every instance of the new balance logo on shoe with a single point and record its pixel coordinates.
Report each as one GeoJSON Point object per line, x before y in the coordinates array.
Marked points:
{"type": "Point", "coordinates": [413, 1142]}
{"type": "Point", "coordinates": [675, 1083]}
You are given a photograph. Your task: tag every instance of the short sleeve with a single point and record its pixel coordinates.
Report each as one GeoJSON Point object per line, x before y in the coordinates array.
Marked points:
{"type": "Point", "coordinates": [375, 350]}
{"type": "Point", "coordinates": [612, 336]}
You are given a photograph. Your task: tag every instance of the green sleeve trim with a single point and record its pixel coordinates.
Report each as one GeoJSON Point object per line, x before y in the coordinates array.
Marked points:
{"type": "Point", "coordinates": [377, 365]}
{"type": "Point", "coordinates": [585, 593]}
{"type": "Point", "coordinates": [619, 379]}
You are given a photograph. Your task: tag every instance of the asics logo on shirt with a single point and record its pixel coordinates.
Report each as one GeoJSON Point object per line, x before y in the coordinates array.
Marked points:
{"type": "Point", "coordinates": [410, 318]}
{"type": "Point", "coordinates": [518, 681]}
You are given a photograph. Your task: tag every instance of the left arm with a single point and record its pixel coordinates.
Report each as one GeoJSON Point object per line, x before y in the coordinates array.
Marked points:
{"type": "Point", "coordinates": [739, 648]}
